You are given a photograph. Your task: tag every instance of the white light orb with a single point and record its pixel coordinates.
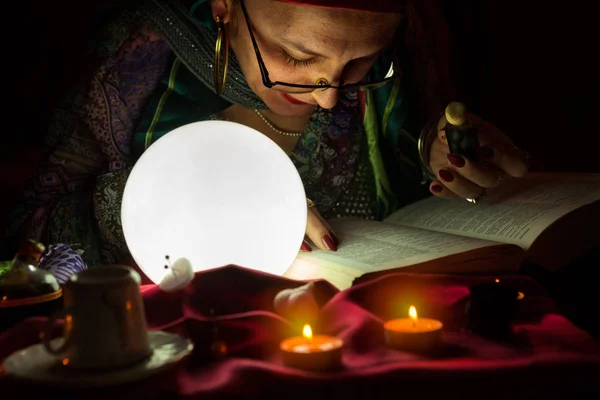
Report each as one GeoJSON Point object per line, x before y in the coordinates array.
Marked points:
{"type": "Point", "coordinates": [215, 193]}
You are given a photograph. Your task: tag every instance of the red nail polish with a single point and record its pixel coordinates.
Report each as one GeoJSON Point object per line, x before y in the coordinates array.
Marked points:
{"type": "Point", "coordinates": [456, 160]}
{"type": "Point", "coordinates": [305, 246]}
{"type": "Point", "coordinates": [446, 175]}
{"type": "Point", "coordinates": [336, 241]}
{"type": "Point", "coordinates": [436, 188]}
{"type": "Point", "coordinates": [329, 243]}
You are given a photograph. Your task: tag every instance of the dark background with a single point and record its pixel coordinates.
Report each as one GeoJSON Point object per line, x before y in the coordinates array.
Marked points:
{"type": "Point", "coordinates": [531, 68]}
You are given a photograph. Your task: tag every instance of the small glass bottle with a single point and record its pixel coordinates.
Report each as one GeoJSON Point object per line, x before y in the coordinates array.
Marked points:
{"type": "Point", "coordinates": [460, 134]}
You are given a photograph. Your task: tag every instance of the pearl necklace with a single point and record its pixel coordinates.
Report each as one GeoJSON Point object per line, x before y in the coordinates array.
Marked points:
{"type": "Point", "coordinates": [270, 125]}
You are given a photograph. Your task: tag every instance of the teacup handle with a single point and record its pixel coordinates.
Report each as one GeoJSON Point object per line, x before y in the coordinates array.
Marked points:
{"type": "Point", "coordinates": [48, 332]}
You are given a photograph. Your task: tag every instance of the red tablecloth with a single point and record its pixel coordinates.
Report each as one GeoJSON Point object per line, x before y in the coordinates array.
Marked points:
{"type": "Point", "coordinates": [547, 353]}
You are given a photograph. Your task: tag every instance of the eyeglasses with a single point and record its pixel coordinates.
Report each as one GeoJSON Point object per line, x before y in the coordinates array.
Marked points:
{"type": "Point", "coordinates": [391, 74]}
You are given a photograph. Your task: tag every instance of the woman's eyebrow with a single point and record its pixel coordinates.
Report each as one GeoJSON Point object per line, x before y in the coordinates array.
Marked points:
{"type": "Point", "coordinates": [303, 49]}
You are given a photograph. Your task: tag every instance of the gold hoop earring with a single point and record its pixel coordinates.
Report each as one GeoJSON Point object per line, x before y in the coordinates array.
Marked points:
{"type": "Point", "coordinates": [220, 79]}
{"type": "Point", "coordinates": [322, 82]}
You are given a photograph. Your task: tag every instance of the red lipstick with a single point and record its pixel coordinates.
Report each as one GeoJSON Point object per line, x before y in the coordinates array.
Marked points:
{"type": "Point", "coordinates": [292, 99]}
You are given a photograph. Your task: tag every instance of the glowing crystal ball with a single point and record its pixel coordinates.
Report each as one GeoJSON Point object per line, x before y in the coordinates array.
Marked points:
{"type": "Point", "coordinates": [215, 193]}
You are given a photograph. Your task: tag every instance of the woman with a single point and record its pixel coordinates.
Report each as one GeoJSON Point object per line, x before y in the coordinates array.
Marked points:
{"type": "Point", "coordinates": [292, 74]}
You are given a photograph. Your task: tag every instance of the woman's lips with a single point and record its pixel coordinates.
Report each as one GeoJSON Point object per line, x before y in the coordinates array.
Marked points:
{"type": "Point", "coordinates": [292, 99]}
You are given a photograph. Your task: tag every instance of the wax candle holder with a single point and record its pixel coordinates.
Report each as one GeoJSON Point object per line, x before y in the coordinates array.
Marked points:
{"type": "Point", "coordinates": [317, 353]}
{"type": "Point", "coordinates": [413, 333]}
{"type": "Point", "coordinates": [491, 308]}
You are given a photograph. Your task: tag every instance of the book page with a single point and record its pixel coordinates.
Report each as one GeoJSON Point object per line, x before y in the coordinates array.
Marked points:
{"type": "Point", "coordinates": [516, 212]}
{"type": "Point", "coordinates": [369, 246]}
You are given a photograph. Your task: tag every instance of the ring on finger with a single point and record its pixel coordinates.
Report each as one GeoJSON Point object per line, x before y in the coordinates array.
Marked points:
{"type": "Point", "coordinates": [479, 198]}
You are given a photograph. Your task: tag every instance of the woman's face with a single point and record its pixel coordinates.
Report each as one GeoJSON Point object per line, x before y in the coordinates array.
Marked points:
{"type": "Point", "coordinates": [301, 44]}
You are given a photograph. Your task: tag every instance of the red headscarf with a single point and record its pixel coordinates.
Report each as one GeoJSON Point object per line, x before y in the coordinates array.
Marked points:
{"type": "Point", "coordinates": [389, 6]}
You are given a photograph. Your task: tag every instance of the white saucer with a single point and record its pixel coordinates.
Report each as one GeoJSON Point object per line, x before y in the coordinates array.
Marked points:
{"type": "Point", "coordinates": [35, 364]}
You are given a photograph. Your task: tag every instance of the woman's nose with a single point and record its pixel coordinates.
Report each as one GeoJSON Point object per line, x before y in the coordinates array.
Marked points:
{"type": "Point", "coordinates": [326, 98]}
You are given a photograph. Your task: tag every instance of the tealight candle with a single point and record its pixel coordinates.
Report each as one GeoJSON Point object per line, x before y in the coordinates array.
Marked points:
{"type": "Point", "coordinates": [413, 333]}
{"type": "Point", "coordinates": [313, 353]}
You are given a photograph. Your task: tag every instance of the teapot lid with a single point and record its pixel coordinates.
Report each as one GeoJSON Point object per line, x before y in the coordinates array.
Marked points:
{"type": "Point", "coordinates": [20, 278]}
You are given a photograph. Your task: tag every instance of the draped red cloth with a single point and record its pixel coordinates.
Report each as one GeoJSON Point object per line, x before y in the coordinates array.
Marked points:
{"type": "Point", "coordinates": [546, 354]}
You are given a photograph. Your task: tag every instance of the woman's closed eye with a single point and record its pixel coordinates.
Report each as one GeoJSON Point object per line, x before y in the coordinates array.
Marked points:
{"type": "Point", "coordinates": [294, 61]}
{"type": "Point", "coordinates": [289, 59]}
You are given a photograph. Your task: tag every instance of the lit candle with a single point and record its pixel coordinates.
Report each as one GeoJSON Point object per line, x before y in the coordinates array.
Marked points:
{"type": "Point", "coordinates": [313, 353]}
{"type": "Point", "coordinates": [413, 333]}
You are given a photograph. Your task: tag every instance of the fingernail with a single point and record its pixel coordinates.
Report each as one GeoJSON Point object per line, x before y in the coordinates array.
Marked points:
{"type": "Point", "coordinates": [446, 175]}
{"type": "Point", "coordinates": [456, 160]}
{"type": "Point", "coordinates": [305, 246]}
{"type": "Point", "coordinates": [485, 153]}
{"type": "Point", "coordinates": [436, 188]}
{"type": "Point", "coordinates": [336, 241]}
{"type": "Point", "coordinates": [328, 242]}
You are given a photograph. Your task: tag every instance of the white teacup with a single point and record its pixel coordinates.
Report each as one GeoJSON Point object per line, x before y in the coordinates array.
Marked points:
{"type": "Point", "coordinates": [105, 325]}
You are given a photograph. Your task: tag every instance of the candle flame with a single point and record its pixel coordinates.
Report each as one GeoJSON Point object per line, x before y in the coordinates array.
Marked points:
{"type": "Point", "coordinates": [307, 332]}
{"type": "Point", "coordinates": [497, 280]}
{"type": "Point", "coordinates": [412, 313]}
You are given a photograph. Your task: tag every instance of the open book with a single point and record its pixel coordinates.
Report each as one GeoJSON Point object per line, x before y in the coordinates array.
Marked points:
{"type": "Point", "coordinates": [549, 219]}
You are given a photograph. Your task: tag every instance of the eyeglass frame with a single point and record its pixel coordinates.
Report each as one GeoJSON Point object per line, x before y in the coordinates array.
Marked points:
{"type": "Point", "coordinates": [270, 84]}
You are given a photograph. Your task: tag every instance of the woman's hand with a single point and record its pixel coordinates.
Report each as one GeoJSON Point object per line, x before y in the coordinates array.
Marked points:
{"type": "Point", "coordinates": [458, 176]}
{"type": "Point", "coordinates": [319, 232]}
